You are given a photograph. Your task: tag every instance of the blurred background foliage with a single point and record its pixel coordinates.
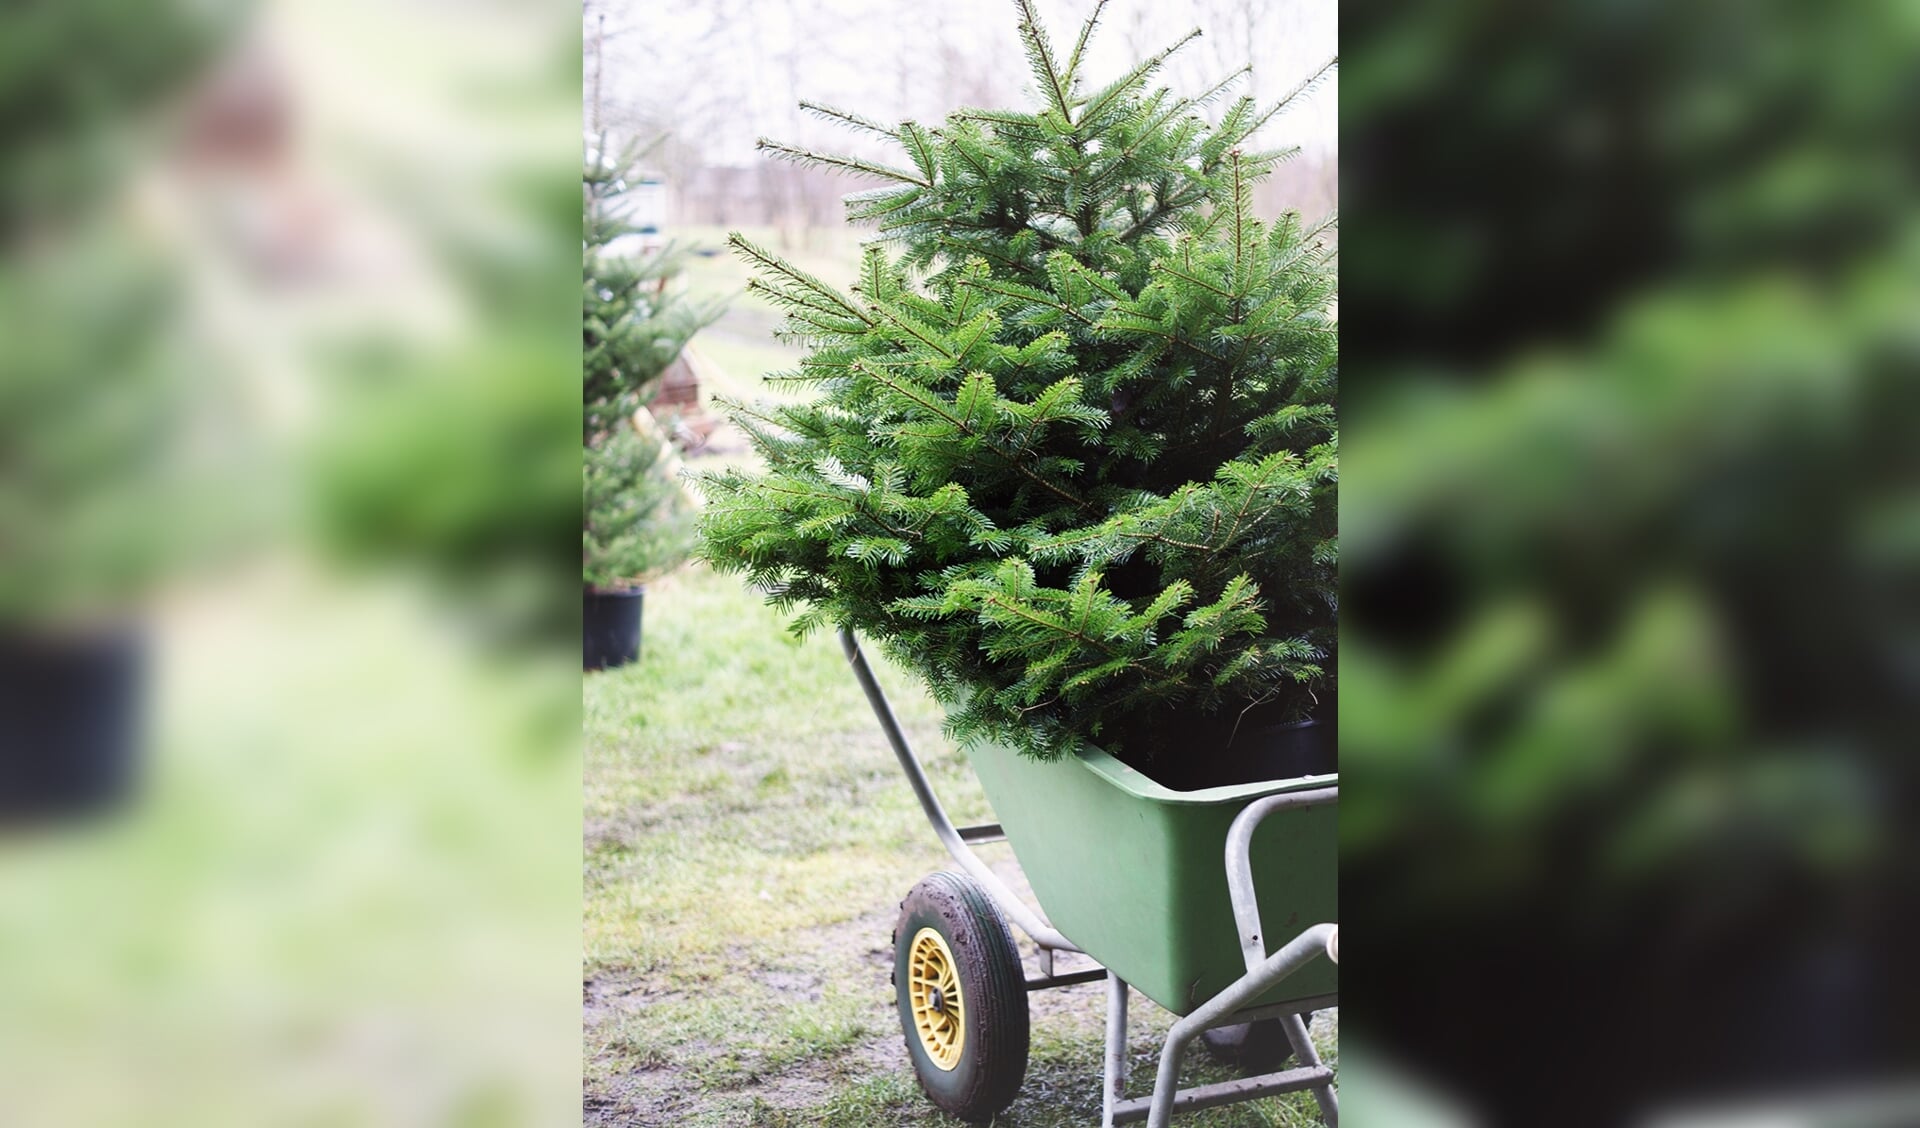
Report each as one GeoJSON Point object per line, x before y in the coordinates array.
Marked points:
{"type": "Point", "coordinates": [74, 79]}
{"type": "Point", "coordinates": [98, 394]}
{"type": "Point", "coordinates": [1632, 310]}
{"type": "Point", "coordinates": [103, 429]}
{"type": "Point", "coordinates": [287, 366]}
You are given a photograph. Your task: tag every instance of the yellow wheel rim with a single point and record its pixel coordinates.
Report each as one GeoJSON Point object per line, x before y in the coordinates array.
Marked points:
{"type": "Point", "coordinates": [933, 988]}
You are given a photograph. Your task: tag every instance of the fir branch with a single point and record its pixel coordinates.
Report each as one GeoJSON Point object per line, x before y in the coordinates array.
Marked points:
{"type": "Point", "coordinates": [796, 302]}
{"type": "Point", "coordinates": [1026, 293]}
{"type": "Point", "coordinates": [1300, 89]}
{"type": "Point", "coordinates": [1155, 125]}
{"type": "Point", "coordinates": [1162, 207]}
{"type": "Point", "coordinates": [883, 201]}
{"type": "Point", "coordinates": [1206, 97]}
{"type": "Point", "coordinates": [911, 328]}
{"type": "Point", "coordinates": [1243, 226]}
{"type": "Point", "coordinates": [986, 327]}
{"type": "Point", "coordinates": [1095, 279]}
{"type": "Point", "coordinates": [846, 117]}
{"type": "Point", "coordinates": [831, 160]}
{"type": "Point", "coordinates": [1080, 45]}
{"type": "Point", "coordinates": [999, 117]}
{"type": "Point", "coordinates": [965, 153]}
{"type": "Point", "coordinates": [1141, 325]}
{"type": "Point", "coordinates": [1327, 223]}
{"type": "Point", "coordinates": [1104, 531]}
{"type": "Point", "coordinates": [1012, 264]}
{"type": "Point", "coordinates": [1040, 620]}
{"type": "Point", "coordinates": [1267, 468]}
{"type": "Point", "coordinates": [807, 282]}
{"type": "Point", "coordinates": [1133, 78]}
{"type": "Point", "coordinates": [938, 406]}
{"type": "Point", "coordinates": [1193, 279]}
{"type": "Point", "coordinates": [920, 148]}
{"type": "Point", "coordinates": [1040, 58]}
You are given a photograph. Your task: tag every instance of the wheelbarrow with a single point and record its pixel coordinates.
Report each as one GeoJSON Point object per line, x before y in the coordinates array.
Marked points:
{"type": "Point", "coordinates": [1203, 901]}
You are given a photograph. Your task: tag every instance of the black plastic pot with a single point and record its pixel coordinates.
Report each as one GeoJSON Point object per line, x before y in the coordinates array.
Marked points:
{"type": "Point", "coordinates": [70, 723]}
{"type": "Point", "coordinates": [610, 628]}
{"type": "Point", "coordinates": [1249, 751]}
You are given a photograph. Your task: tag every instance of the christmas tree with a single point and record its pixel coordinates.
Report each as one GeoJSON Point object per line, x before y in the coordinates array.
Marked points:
{"type": "Point", "coordinates": [1074, 452]}
{"type": "Point", "coordinates": [637, 520]}
{"type": "Point", "coordinates": [634, 323]}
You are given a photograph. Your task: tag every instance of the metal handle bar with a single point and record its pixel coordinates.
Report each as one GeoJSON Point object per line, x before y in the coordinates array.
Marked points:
{"type": "Point", "coordinates": [1246, 907]}
{"type": "Point", "coordinates": [950, 837]}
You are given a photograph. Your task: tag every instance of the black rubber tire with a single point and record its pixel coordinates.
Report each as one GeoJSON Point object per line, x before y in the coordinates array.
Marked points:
{"type": "Point", "coordinates": [1253, 1047]}
{"type": "Point", "coordinates": [993, 1053]}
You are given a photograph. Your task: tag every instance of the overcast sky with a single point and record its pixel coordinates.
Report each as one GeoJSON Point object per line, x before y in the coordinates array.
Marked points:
{"type": "Point", "coordinates": [720, 73]}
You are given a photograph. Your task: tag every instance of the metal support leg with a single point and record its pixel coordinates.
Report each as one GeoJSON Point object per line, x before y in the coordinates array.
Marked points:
{"type": "Point", "coordinates": [1116, 1077]}
{"type": "Point", "coordinates": [1304, 948]}
{"type": "Point", "coordinates": [1305, 1054]}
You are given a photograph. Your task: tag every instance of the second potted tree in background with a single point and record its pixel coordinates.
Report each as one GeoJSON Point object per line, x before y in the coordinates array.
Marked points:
{"type": "Point", "coordinates": [635, 518]}
{"type": "Point", "coordinates": [636, 523]}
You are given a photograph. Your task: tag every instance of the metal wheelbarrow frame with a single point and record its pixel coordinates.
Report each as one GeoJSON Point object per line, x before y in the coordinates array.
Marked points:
{"type": "Point", "coordinates": [1237, 1002]}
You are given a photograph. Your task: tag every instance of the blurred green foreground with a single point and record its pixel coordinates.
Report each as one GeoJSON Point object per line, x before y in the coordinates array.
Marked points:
{"type": "Point", "coordinates": [288, 388]}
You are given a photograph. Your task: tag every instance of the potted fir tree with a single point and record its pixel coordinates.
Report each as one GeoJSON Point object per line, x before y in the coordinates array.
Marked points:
{"type": "Point", "coordinates": [101, 390]}
{"type": "Point", "coordinates": [95, 512]}
{"type": "Point", "coordinates": [635, 519]}
{"type": "Point", "coordinates": [638, 523]}
{"type": "Point", "coordinates": [1075, 453]}
{"type": "Point", "coordinates": [1073, 460]}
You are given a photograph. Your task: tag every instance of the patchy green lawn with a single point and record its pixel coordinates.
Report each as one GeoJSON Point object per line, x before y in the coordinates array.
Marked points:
{"type": "Point", "coordinates": [748, 840]}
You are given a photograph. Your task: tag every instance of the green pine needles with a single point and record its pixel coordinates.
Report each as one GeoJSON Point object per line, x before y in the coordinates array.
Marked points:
{"type": "Point", "coordinates": [635, 521]}
{"type": "Point", "coordinates": [1074, 453]}
{"type": "Point", "coordinates": [633, 321]}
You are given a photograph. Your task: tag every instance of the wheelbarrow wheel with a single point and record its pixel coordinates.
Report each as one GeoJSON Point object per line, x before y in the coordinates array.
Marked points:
{"type": "Point", "coordinates": [1253, 1047]}
{"type": "Point", "coordinates": [962, 997]}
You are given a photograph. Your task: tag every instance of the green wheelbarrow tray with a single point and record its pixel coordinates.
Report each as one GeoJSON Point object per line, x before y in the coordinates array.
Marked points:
{"type": "Point", "coordinates": [1131, 872]}
{"type": "Point", "coordinates": [1217, 904]}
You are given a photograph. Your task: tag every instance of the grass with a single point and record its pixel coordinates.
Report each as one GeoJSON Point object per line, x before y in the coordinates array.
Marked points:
{"type": "Point", "coordinates": [748, 839]}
